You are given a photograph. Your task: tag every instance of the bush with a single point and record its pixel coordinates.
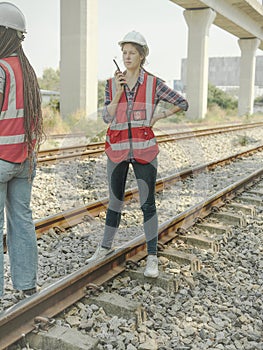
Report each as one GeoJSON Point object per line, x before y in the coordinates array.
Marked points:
{"type": "Point", "coordinates": [53, 123]}
{"type": "Point", "coordinates": [78, 122]}
{"type": "Point", "coordinates": [259, 99]}
{"type": "Point", "coordinates": [221, 98]}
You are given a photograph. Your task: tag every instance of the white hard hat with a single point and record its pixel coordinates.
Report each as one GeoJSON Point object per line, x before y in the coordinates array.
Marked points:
{"type": "Point", "coordinates": [135, 37]}
{"type": "Point", "coordinates": [12, 17]}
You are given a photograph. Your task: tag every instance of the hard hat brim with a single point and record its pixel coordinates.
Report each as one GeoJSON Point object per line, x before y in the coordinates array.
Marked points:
{"type": "Point", "coordinates": [135, 42]}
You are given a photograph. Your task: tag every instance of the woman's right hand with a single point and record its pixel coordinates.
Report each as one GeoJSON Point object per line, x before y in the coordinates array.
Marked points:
{"type": "Point", "coordinates": [119, 80]}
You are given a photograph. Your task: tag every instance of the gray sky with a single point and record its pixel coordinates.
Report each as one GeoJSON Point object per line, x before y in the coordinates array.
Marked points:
{"type": "Point", "coordinates": [160, 21]}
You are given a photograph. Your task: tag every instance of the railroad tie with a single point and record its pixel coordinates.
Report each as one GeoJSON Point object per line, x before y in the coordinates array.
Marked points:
{"type": "Point", "coordinates": [202, 242]}
{"type": "Point", "coordinates": [183, 258]}
{"type": "Point", "coordinates": [168, 282]}
{"type": "Point", "coordinates": [59, 337]}
{"type": "Point", "coordinates": [230, 218]}
{"type": "Point", "coordinates": [257, 201]}
{"type": "Point", "coordinates": [245, 209]}
{"type": "Point", "coordinates": [116, 305]}
{"type": "Point", "coordinates": [222, 231]}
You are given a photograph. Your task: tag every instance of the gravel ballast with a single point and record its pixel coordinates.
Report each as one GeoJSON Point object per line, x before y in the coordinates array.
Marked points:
{"type": "Point", "coordinates": [221, 309]}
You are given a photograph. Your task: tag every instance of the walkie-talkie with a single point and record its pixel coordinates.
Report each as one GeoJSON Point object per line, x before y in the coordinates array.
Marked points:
{"type": "Point", "coordinates": [116, 65]}
{"type": "Point", "coordinates": [118, 68]}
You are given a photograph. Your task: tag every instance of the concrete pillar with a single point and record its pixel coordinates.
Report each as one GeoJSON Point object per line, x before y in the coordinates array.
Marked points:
{"type": "Point", "coordinates": [199, 22]}
{"type": "Point", "coordinates": [79, 57]}
{"type": "Point", "coordinates": [247, 75]}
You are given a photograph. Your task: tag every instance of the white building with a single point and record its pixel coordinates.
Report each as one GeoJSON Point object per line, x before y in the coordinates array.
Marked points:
{"type": "Point", "coordinates": [224, 73]}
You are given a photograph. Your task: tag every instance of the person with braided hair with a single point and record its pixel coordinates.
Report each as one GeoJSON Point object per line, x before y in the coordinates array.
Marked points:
{"type": "Point", "coordinates": [21, 132]}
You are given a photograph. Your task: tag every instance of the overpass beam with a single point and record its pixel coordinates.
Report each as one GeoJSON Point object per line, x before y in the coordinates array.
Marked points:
{"type": "Point", "coordinates": [199, 22]}
{"type": "Point", "coordinates": [248, 49]}
{"type": "Point", "coordinates": [78, 52]}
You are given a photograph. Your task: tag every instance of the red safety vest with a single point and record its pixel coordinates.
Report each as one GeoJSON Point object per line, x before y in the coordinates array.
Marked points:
{"type": "Point", "coordinates": [130, 136]}
{"type": "Point", "coordinates": [13, 147]}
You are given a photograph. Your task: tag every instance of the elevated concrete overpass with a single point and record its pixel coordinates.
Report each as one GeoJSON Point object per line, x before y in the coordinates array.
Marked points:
{"type": "Point", "coordinates": [79, 56]}
{"type": "Point", "coordinates": [243, 19]}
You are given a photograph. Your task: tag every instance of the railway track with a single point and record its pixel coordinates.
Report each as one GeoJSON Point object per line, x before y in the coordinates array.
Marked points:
{"type": "Point", "coordinates": [40, 309]}
{"type": "Point", "coordinates": [72, 217]}
{"type": "Point", "coordinates": [41, 315]}
{"type": "Point", "coordinates": [50, 156]}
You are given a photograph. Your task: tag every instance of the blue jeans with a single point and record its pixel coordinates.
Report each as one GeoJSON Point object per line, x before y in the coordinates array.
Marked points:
{"type": "Point", "coordinates": [15, 197]}
{"type": "Point", "coordinates": [146, 179]}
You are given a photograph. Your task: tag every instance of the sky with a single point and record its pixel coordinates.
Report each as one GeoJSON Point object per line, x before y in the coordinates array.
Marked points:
{"type": "Point", "coordinates": [160, 21]}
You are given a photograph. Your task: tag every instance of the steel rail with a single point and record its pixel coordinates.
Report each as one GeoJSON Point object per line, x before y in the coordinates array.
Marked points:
{"type": "Point", "coordinates": [62, 136]}
{"type": "Point", "coordinates": [23, 317]}
{"type": "Point", "coordinates": [70, 156]}
{"type": "Point", "coordinates": [68, 149]}
{"type": "Point", "coordinates": [178, 126]}
{"type": "Point", "coordinates": [95, 149]}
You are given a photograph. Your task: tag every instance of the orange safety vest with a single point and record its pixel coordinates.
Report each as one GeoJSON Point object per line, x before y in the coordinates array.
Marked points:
{"type": "Point", "coordinates": [129, 135]}
{"type": "Point", "coordinates": [13, 147]}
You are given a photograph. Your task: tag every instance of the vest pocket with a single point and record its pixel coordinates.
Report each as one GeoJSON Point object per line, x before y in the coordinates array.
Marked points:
{"type": "Point", "coordinates": [145, 133]}
{"type": "Point", "coordinates": [117, 136]}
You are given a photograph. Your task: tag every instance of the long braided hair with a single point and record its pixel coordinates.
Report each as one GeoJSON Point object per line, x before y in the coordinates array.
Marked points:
{"type": "Point", "coordinates": [10, 43]}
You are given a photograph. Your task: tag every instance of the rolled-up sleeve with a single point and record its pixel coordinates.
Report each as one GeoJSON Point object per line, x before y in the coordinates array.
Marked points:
{"type": "Point", "coordinates": [105, 114]}
{"type": "Point", "coordinates": [164, 93]}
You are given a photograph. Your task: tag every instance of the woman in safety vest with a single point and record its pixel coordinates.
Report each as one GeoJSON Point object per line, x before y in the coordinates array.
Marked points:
{"type": "Point", "coordinates": [20, 135]}
{"type": "Point", "coordinates": [130, 101]}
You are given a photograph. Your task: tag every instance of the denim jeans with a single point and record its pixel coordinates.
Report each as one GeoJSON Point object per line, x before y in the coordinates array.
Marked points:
{"type": "Point", "coordinates": [15, 197]}
{"type": "Point", "coordinates": [146, 179]}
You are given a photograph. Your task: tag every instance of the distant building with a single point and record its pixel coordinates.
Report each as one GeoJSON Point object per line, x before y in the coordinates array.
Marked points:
{"type": "Point", "coordinates": [178, 85]}
{"type": "Point", "coordinates": [47, 95]}
{"type": "Point", "coordinates": [224, 73]}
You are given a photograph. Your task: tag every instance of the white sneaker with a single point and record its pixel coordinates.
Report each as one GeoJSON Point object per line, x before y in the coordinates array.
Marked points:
{"type": "Point", "coordinates": [151, 267]}
{"type": "Point", "coordinates": [100, 252]}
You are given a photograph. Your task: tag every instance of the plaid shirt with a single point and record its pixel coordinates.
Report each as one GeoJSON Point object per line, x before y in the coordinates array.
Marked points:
{"type": "Point", "coordinates": [162, 93]}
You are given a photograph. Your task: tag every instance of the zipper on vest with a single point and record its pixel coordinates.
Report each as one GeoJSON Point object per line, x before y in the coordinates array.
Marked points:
{"type": "Point", "coordinates": [130, 135]}
{"type": "Point", "coordinates": [128, 114]}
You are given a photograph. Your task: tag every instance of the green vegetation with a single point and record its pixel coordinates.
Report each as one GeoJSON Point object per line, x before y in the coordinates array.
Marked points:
{"type": "Point", "coordinates": [53, 123]}
{"type": "Point", "coordinates": [101, 93]}
{"type": "Point", "coordinates": [220, 98]}
{"type": "Point", "coordinates": [241, 140]}
{"type": "Point", "coordinates": [50, 79]}
{"type": "Point", "coordinates": [77, 122]}
{"type": "Point", "coordinates": [259, 99]}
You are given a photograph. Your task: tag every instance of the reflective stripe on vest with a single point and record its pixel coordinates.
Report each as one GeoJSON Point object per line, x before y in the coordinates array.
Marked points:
{"type": "Point", "coordinates": [142, 146]}
{"type": "Point", "coordinates": [12, 111]}
{"type": "Point", "coordinates": [9, 140]}
{"type": "Point", "coordinates": [12, 135]}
